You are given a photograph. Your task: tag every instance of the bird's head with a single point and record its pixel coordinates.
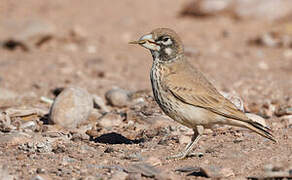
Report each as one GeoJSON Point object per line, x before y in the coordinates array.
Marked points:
{"type": "Point", "coordinates": [164, 44]}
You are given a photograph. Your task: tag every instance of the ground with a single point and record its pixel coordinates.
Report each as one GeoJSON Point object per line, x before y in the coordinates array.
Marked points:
{"type": "Point", "coordinates": [89, 48]}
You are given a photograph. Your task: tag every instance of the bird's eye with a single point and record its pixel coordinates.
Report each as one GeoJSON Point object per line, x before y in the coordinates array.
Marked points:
{"type": "Point", "coordinates": [165, 39]}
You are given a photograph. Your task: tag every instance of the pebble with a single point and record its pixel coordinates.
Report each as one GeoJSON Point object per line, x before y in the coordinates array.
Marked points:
{"type": "Point", "coordinates": [154, 161]}
{"type": "Point", "coordinates": [206, 7]}
{"type": "Point", "coordinates": [38, 177]}
{"type": "Point", "coordinates": [263, 65]}
{"type": "Point", "coordinates": [99, 103]}
{"type": "Point", "coordinates": [143, 168]}
{"type": "Point", "coordinates": [268, 40]}
{"type": "Point", "coordinates": [187, 169]}
{"type": "Point", "coordinates": [110, 120]}
{"type": "Point", "coordinates": [117, 97]}
{"type": "Point", "coordinates": [214, 171]}
{"type": "Point", "coordinates": [133, 157]}
{"type": "Point", "coordinates": [29, 125]}
{"type": "Point", "coordinates": [267, 10]}
{"type": "Point", "coordinates": [283, 110]}
{"type": "Point", "coordinates": [227, 172]}
{"type": "Point", "coordinates": [40, 171]}
{"type": "Point", "coordinates": [193, 171]}
{"type": "Point", "coordinates": [184, 139]}
{"type": "Point", "coordinates": [71, 107]}
{"type": "Point", "coordinates": [40, 147]}
{"type": "Point", "coordinates": [5, 123]}
{"type": "Point", "coordinates": [119, 175]}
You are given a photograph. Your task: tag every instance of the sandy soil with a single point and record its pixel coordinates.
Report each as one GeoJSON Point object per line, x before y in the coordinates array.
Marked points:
{"type": "Point", "coordinates": [89, 48]}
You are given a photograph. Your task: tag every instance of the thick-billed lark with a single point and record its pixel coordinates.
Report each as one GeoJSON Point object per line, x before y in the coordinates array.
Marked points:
{"type": "Point", "coordinates": [184, 94]}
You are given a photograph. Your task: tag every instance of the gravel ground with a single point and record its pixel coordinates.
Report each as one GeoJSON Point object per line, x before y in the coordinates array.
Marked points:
{"type": "Point", "coordinates": [50, 46]}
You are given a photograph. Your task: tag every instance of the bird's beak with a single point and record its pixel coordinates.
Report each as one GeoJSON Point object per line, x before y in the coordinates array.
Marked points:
{"type": "Point", "coordinates": [148, 42]}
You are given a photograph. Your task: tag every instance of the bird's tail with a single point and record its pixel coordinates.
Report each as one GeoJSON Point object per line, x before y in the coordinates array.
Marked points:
{"type": "Point", "coordinates": [260, 129]}
{"type": "Point", "coordinates": [254, 126]}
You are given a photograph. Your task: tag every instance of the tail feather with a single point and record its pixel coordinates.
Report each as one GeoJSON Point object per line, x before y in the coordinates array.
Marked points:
{"type": "Point", "coordinates": [261, 130]}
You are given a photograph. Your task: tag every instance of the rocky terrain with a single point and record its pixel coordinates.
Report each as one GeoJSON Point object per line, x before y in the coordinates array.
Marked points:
{"type": "Point", "coordinates": [76, 100]}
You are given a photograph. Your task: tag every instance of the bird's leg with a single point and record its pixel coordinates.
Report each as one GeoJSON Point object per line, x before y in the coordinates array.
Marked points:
{"type": "Point", "coordinates": [198, 131]}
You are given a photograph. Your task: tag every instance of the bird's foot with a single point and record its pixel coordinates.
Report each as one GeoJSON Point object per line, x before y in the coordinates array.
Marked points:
{"type": "Point", "coordinates": [183, 155]}
{"type": "Point", "coordinates": [179, 156]}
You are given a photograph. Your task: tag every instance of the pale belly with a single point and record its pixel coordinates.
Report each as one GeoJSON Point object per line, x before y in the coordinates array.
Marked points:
{"type": "Point", "coordinates": [192, 116]}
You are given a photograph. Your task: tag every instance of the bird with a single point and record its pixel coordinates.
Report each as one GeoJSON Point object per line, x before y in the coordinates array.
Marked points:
{"type": "Point", "coordinates": [185, 94]}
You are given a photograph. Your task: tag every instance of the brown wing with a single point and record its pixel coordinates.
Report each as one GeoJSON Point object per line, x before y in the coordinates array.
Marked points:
{"type": "Point", "coordinates": [191, 87]}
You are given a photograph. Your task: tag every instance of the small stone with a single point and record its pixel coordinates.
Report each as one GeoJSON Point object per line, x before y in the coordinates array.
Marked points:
{"type": "Point", "coordinates": [187, 169]}
{"type": "Point", "coordinates": [99, 103]}
{"type": "Point", "coordinates": [133, 157]}
{"type": "Point", "coordinates": [40, 171]}
{"type": "Point", "coordinates": [119, 175]}
{"type": "Point", "coordinates": [227, 172]}
{"type": "Point", "coordinates": [30, 144]}
{"type": "Point", "coordinates": [283, 110]}
{"type": "Point", "coordinates": [206, 7]}
{"type": "Point", "coordinates": [265, 10]}
{"type": "Point", "coordinates": [144, 169]}
{"type": "Point", "coordinates": [109, 150]}
{"type": "Point", "coordinates": [218, 172]}
{"type": "Point", "coordinates": [91, 49]}
{"type": "Point", "coordinates": [71, 107]}
{"type": "Point", "coordinates": [154, 161]}
{"type": "Point", "coordinates": [40, 145]}
{"type": "Point", "coordinates": [118, 97]}
{"type": "Point", "coordinates": [184, 139]}
{"type": "Point", "coordinates": [268, 167]}
{"type": "Point", "coordinates": [41, 177]}
{"type": "Point", "coordinates": [263, 65]}
{"type": "Point", "coordinates": [193, 171]}
{"type": "Point", "coordinates": [29, 125]}
{"type": "Point", "coordinates": [208, 131]}
{"type": "Point", "coordinates": [110, 120]}
{"type": "Point", "coordinates": [268, 40]}
{"type": "Point", "coordinates": [134, 176]}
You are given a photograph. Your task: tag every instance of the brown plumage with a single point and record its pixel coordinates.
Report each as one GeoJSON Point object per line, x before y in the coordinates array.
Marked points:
{"type": "Point", "coordinates": [183, 92]}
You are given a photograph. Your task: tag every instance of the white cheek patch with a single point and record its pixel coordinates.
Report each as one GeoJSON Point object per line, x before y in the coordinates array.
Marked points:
{"type": "Point", "coordinates": [151, 46]}
{"type": "Point", "coordinates": [168, 51]}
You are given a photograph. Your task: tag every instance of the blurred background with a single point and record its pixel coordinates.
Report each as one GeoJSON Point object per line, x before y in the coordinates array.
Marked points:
{"type": "Point", "coordinates": [243, 46]}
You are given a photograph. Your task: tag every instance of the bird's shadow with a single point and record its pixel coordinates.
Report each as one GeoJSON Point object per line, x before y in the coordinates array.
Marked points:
{"type": "Point", "coordinates": [115, 138]}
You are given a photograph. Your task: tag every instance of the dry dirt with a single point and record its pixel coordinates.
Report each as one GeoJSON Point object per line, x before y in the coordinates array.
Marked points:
{"type": "Point", "coordinates": [89, 48]}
